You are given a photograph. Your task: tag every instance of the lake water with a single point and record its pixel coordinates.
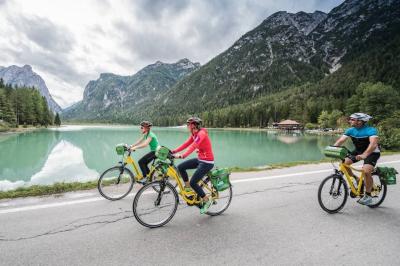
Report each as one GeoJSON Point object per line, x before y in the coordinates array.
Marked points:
{"type": "Point", "coordinates": [81, 153]}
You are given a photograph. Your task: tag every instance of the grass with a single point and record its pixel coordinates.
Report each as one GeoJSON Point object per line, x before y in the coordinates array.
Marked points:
{"type": "Point", "coordinates": [41, 190]}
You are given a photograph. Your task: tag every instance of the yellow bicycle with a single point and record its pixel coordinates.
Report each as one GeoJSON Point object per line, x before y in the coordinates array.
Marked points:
{"type": "Point", "coordinates": [334, 189]}
{"type": "Point", "coordinates": [117, 182]}
{"type": "Point", "coordinates": [156, 203]}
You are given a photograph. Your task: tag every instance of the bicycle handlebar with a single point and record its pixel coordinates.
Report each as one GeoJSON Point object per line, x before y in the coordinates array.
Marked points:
{"type": "Point", "coordinates": [348, 151]}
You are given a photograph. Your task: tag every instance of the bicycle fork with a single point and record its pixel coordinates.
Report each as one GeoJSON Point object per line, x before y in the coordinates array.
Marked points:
{"type": "Point", "coordinates": [121, 171]}
{"type": "Point", "coordinates": [335, 177]}
{"type": "Point", "coordinates": [160, 193]}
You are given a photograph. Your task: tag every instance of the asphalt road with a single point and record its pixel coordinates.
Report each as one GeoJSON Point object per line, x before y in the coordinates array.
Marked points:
{"type": "Point", "coordinates": [274, 219]}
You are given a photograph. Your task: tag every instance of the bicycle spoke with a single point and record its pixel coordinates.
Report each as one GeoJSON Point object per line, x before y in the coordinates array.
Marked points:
{"type": "Point", "coordinates": [115, 183]}
{"type": "Point", "coordinates": [332, 194]}
{"type": "Point", "coordinates": [155, 204]}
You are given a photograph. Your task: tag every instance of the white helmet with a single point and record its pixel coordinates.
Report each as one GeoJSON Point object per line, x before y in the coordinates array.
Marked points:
{"type": "Point", "coordinates": [361, 116]}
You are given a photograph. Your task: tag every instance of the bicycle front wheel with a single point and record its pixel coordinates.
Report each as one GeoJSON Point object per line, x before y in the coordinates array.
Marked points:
{"type": "Point", "coordinates": [155, 204]}
{"type": "Point", "coordinates": [157, 175]}
{"type": "Point", "coordinates": [115, 183]}
{"type": "Point", "coordinates": [222, 199]}
{"type": "Point", "coordinates": [332, 193]}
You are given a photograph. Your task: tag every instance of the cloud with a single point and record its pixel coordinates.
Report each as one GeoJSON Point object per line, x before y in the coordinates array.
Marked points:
{"type": "Point", "coordinates": [158, 8]}
{"type": "Point", "coordinates": [44, 33]}
{"type": "Point", "coordinates": [71, 42]}
{"type": "Point", "coordinates": [47, 61]}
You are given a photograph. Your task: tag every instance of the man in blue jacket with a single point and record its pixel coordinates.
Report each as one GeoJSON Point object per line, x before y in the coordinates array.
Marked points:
{"type": "Point", "coordinates": [365, 140]}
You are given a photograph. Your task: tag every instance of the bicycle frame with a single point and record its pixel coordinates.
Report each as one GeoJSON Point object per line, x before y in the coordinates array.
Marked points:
{"type": "Point", "coordinates": [127, 159]}
{"type": "Point", "coordinates": [343, 168]}
{"type": "Point", "coordinates": [189, 197]}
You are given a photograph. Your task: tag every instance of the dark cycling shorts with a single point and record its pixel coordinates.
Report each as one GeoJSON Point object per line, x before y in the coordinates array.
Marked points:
{"type": "Point", "coordinates": [371, 159]}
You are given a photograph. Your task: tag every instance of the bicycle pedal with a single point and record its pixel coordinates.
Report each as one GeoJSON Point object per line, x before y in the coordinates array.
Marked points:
{"type": "Point", "coordinates": [142, 181]}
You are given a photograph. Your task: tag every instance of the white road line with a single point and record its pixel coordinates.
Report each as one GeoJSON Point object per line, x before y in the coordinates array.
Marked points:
{"type": "Point", "coordinates": [278, 176]}
{"type": "Point", "coordinates": [64, 203]}
{"type": "Point", "coordinates": [50, 205]}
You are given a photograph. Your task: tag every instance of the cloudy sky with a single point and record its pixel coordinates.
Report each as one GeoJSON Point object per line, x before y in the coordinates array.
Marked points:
{"type": "Point", "coordinates": [71, 42]}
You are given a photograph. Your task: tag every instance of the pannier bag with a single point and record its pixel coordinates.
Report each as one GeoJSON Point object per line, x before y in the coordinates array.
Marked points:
{"type": "Point", "coordinates": [220, 179]}
{"type": "Point", "coordinates": [120, 148]}
{"type": "Point", "coordinates": [388, 174]}
{"type": "Point", "coordinates": [335, 152]}
{"type": "Point", "coordinates": [162, 153]}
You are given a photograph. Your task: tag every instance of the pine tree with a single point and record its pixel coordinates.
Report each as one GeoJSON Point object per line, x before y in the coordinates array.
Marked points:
{"type": "Point", "coordinates": [57, 120]}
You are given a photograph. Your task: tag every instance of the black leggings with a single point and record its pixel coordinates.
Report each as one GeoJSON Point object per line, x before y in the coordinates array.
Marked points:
{"type": "Point", "coordinates": [144, 161]}
{"type": "Point", "coordinates": [201, 171]}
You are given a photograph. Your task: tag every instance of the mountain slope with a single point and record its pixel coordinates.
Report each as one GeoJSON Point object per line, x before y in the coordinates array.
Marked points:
{"type": "Point", "coordinates": [276, 54]}
{"type": "Point", "coordinates": [295, 51]}
{"type": "Point", "coordinates": [115, 98]}
{"type": "Point", "coordinates": [25, 76]}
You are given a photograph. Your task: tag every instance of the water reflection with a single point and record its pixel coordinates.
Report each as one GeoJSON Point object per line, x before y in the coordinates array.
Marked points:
{"type": "Point", "coordinates": [64, 164]}
{"type": "Point", "coordinates": [21, 155]}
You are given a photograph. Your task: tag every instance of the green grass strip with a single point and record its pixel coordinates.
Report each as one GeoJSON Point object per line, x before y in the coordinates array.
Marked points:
{"type": "Point", "coordinates": [41, 190]}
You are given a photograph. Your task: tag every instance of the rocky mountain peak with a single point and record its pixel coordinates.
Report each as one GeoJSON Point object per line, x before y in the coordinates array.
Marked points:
{"type": "Point", "coordinates": [27, 68]}
{"type": "Point", "coordinates": [25, 76]}
{"type": "Point", "coordinates": [105, 96]}
{"type": "Point", "coordinates": [186, 64]}
{"type": "Point", "coordinates": [302, 21]}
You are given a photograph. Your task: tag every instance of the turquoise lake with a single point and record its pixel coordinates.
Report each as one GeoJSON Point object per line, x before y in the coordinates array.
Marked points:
{"type": "Point", "coordinates": [81, 153]}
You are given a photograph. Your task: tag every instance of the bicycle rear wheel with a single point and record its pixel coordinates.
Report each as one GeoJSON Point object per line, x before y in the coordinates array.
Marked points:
{"type": "Point", "coordinates": [332, 193]}
{"type": "Point", "coordinates": [115, 183]}
{"type": "Point", "coordinates": [155, 204]}
{"type": "Point", "coordinates": [378, 192]}
{"type": "Point", "coordinates": [222, 199]}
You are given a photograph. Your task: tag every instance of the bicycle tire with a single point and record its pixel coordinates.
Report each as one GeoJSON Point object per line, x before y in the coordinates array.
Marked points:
{"type": "Point", "coordinates": [227, 193]}
{"type": "Point", "coordinates": [336, 179]}
{"type": "Point", "coordinates": [150, 194]}
{"type": "Point", "coordinates": [383, 190]}
{"type": "Point", "coordinates": [125, 190]}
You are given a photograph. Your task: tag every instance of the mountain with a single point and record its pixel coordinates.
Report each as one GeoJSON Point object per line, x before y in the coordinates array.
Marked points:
{"type": "Point", "coordinates": [353, 24]}
{"type": "Point", "coordinates": [114, 98]}
{"type": "Point", "coordinates": [290, 66]}
{"type": "Point", "coordinates": [291, 50]}
{"type": "Point", "coordinates": [274, 55]}
{"type": "Point", "coordinates": [25, 76]}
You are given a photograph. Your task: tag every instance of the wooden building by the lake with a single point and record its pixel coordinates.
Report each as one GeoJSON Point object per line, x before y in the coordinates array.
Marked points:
{"type": "Point", "coordinates": [289, 125]}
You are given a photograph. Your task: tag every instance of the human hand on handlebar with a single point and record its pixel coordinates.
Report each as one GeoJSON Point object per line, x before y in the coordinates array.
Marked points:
{"type": "Point", "coordinates": [132, 148]}
{"type": "Point", "coordinates": [177, 155]}
{"type": "Point", "coordinates": [361, 157]}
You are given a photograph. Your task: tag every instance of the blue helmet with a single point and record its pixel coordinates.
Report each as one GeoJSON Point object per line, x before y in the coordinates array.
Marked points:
{"type": "Point", "coordinates": [361, 116]}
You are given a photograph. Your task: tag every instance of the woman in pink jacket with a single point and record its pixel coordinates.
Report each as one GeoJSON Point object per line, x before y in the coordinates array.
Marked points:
{"type": "Point", "coordinates": [204, 162]}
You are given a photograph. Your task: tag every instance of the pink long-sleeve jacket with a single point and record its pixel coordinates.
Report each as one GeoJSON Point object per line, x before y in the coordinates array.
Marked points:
{"type": "Point", "coordinates": [201, 142]}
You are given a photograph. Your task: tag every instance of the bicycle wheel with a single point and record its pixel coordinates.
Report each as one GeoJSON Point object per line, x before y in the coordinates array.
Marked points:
{"type": "Point", "coordinates": [115, 183]}
{"type": "Point", "coordinates": [155, 208]}
{"type": "Point", "coordinates": [332, 193]}
{"type": "Point", "coordinates": [378, 192]}
{"type": "Point", "coordinates": [222, 199]}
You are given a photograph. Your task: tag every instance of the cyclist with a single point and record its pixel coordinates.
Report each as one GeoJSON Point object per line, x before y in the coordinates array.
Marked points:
{"type": "Point", "coordinates": [204, 162]}
{"type": "Point", "coordinates": [148, 139]}
{"type": "Point", "coordinates": [365, 140]}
